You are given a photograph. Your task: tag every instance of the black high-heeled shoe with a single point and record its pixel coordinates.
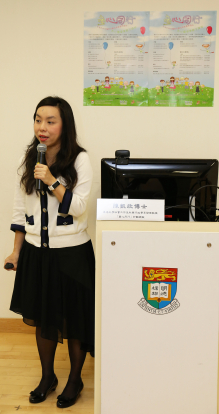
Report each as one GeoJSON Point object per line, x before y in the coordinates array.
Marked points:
{"type": "Point", "coordinates": [64, 402]}
{"type": "Point", "coordinates": [37, 397]}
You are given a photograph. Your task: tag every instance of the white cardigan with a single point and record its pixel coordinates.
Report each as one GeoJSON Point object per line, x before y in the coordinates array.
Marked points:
{"type": "Point", "coordinates": [48, 223]}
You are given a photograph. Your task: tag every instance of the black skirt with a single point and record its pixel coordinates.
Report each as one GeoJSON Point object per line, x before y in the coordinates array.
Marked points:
{"type": "Point", "coordinates": [54, 289]}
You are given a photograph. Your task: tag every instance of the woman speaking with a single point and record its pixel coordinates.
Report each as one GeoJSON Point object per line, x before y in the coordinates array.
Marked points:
{"type": "Point", "coordinates": [53, 255]}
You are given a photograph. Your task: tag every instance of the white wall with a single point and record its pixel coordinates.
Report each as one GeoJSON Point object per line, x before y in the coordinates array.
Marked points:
{"type": "Point", "coordinates": [42, 54]}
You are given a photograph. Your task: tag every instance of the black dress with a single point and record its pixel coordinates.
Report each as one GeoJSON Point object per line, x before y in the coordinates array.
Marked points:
{"type": "Point", "coordinates": [54, 289]}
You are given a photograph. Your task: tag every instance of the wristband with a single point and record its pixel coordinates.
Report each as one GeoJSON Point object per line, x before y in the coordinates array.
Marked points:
{"type": "Point", "coordinates": [54, 185]}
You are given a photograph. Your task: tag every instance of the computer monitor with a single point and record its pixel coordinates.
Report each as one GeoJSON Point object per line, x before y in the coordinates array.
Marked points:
{"type": "Point", "coordinates": [188, 186]}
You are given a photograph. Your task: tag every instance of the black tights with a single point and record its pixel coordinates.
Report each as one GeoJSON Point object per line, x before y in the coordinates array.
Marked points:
{"type": "Point", "coordinates": [47, 351]}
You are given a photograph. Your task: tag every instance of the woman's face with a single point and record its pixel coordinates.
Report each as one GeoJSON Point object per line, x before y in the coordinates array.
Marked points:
{"type": "Point", "coordinates": [48, 126]}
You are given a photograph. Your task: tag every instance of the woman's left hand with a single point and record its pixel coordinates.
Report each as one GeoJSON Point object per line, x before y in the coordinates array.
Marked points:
{"type": "Point", "coordinates": [42, 172]}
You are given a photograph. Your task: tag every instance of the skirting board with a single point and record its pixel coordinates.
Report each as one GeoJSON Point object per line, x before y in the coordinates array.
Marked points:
{"type": "Point", "coordinates": [15, 325]}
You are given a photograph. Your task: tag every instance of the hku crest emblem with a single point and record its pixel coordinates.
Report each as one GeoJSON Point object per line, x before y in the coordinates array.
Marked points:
{"type": "Point", "coordinates": [159, 286]}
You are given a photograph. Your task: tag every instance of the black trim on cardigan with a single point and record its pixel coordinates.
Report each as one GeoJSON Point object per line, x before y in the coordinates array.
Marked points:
{"type": "Point", "coordinates": [29, 220]}
{"type": "Point", "coordinates": [66, 202]}
{"type": "Point", "coordinates": [44, 220]}
{"type": "Point", "coordinates": [64, 221]}
{"type": "Point", "coordinates": [15, 227]}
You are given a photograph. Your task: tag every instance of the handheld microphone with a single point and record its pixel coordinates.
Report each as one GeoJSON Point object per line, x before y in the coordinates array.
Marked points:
{"type": "Point", "coordinates": [41, 159]}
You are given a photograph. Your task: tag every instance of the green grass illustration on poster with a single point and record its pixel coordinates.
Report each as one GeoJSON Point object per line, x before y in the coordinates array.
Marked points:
{"type": "Point", "coordinates": [116, 96]}
{"type": "Point", "coordinates": [181, 97]}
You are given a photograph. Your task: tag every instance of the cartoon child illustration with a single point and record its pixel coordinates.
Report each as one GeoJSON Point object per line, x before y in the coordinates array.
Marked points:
{"type": "Point", "coordinates": [136, 87]}
{"type": "Point", "coordinates": [93, 88]}
{"type": "Point", "coordinates": [167, 20]}
{"type": "Point", "coordinates": [172, 84]}
{"type": "Point", "coordinates": [157, 89]}
{"type": "Point", "coordinates": [156, 102]}
{"type": "Point", "coordinates": [121, 83]}
{"type": "Point", "coordinates": [177, 81]}
{"type": "Point", "coordinates": [162, 82]}
{"type": "Point", "coordinates": [132, 87]}
{"type": "Point", "coordinates": [107, 85]}
{"type": "Point", "coordinates": [97, 81]}
{"type": "Point", "coordinates": [92, 101]}
{"type": "Point", "coordinates": [126, 84]}
{"type": "Point", "coordinates": [116, 79]}
{"type": "Point", "coordinates": [174, 64]}
{"type": "Point", "coordinates": [186, 83]}
{"type": "Point", "coordinates": [102, 84]}
{"type": "Point", "coordinates": [202, 86]}
{"type": "Point", "coordinates": [191, 84]}
{"type": "Point", "coordinates": [108, 63]}
{"type": "Point", "coordinates": [168, 83]}
{"type": "Point", "coordinates": [197, 84]}
{"type": "Point", "coordinates": [111, 80]}
{"type": "Point", "coordinates": [182, 80]}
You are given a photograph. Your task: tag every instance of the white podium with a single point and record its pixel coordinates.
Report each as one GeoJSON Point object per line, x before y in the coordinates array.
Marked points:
{"type": "Point", "coordinates": [156, 354]}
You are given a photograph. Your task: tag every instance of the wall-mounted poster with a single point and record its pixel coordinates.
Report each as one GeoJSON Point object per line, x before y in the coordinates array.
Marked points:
{"type": "Point", "coordinates": [149, 58]}
{"type": "Point", "coordinates": [116, 58]}
{"type": "Point", "coordinates": [182, 54]}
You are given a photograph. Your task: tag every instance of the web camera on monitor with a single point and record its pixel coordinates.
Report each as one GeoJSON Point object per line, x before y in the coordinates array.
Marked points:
{"type": "Point", "coordinates": [122, 157]}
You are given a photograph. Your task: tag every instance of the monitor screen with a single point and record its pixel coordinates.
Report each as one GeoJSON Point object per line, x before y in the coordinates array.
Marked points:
{"type": "Point", "coordinates": [188, 186]}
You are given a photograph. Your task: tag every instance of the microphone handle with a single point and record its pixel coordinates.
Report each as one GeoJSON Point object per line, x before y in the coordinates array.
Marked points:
{"type": "Point", "coordinates": [41, 159]}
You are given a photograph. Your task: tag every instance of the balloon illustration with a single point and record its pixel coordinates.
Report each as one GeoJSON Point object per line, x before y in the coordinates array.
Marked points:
{"type": "Point", "coordinates": [209, 29]}
{"type": "Point", "coordinates": [170, 45]}
{"type": "Point", "coordinates": [142, 30]}
{"type": "Point", "coordinates": [105, 45]}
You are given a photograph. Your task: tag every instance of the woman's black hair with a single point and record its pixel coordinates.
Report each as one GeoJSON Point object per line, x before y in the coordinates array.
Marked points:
{"type": "Point", "coordinates": [65, 158]}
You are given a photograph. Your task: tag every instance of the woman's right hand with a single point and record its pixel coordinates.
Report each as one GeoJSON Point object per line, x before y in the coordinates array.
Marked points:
{"type": "Point", "coordinates": [13, 258]}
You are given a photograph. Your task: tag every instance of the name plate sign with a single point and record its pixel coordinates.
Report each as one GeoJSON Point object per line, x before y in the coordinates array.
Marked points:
{"type": "Point", "coordinates": [128, 209]}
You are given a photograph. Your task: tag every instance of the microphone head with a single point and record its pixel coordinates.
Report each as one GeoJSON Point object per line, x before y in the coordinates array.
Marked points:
{"type": "Point", "coordinates": [41, 147]}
